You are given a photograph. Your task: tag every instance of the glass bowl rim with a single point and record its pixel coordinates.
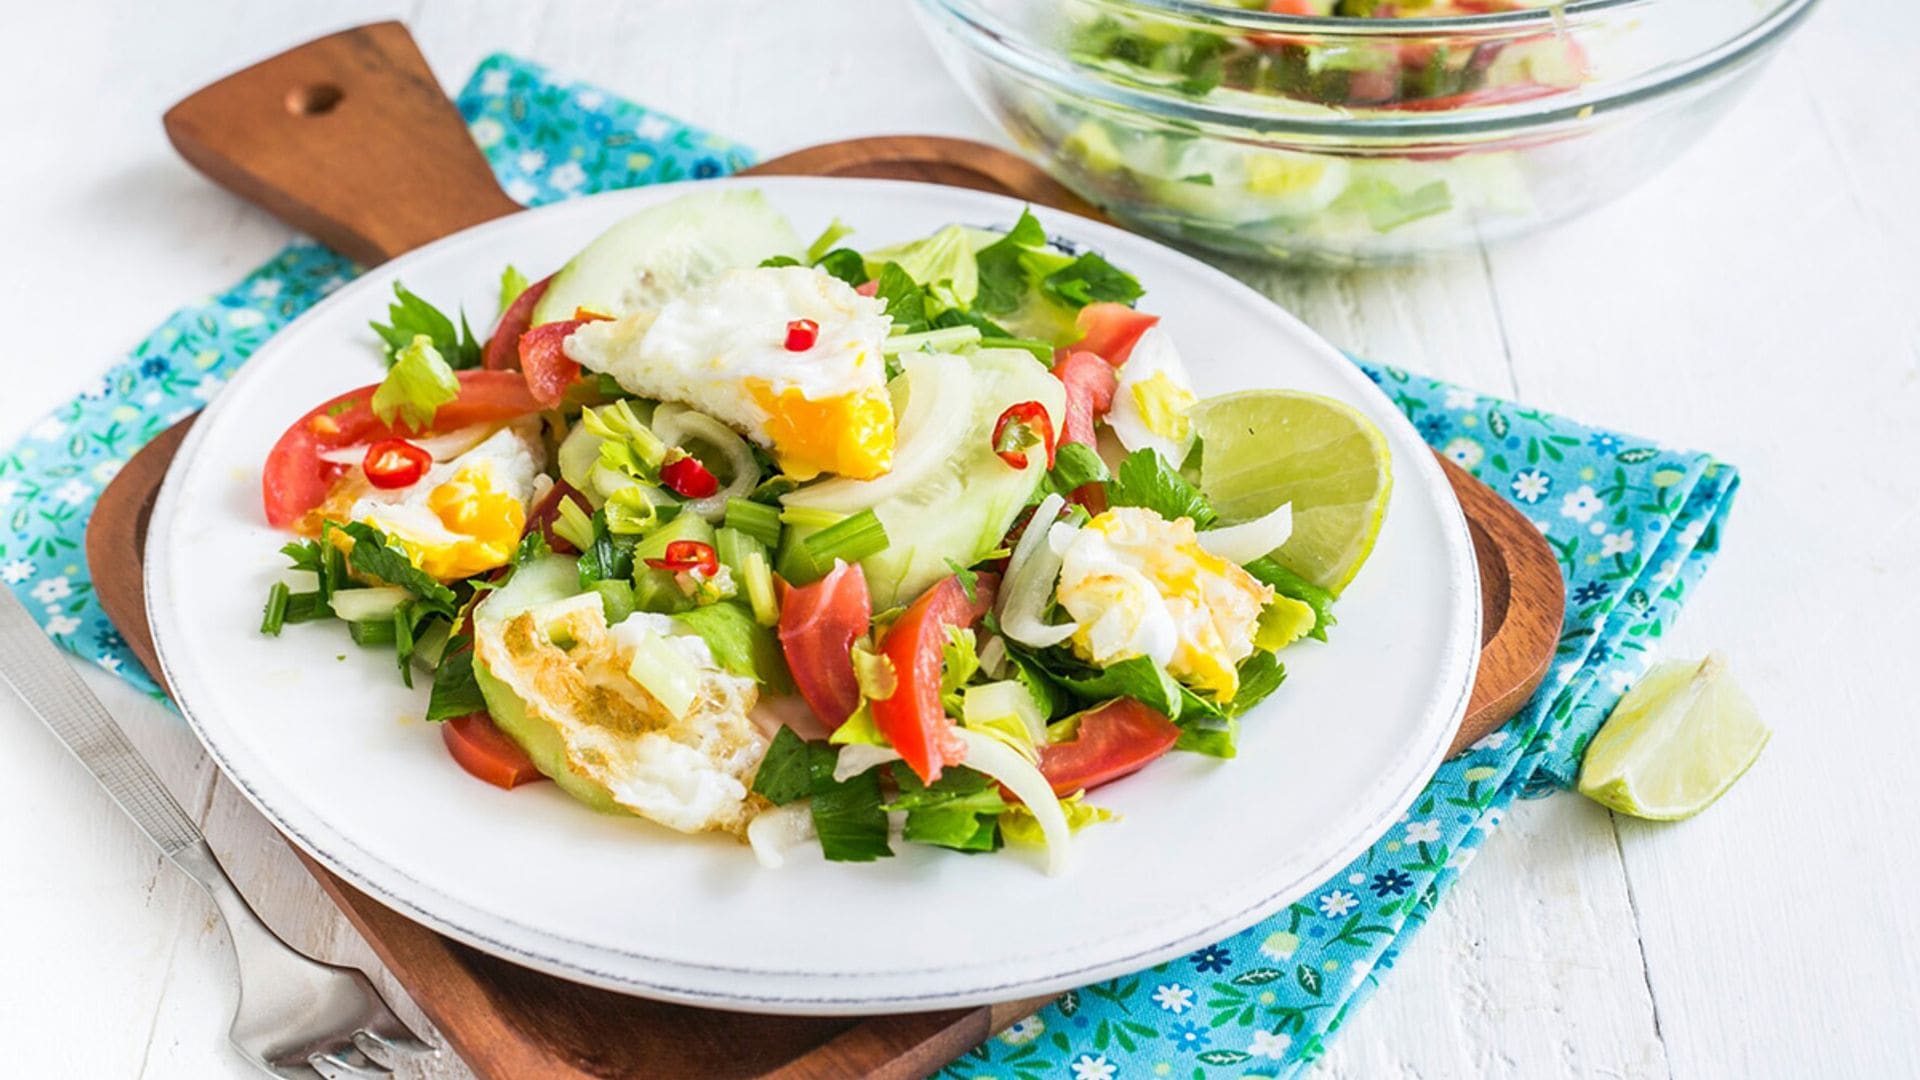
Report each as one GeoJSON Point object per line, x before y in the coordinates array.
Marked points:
{"type": "Point", "coordinates": [1010, 48]}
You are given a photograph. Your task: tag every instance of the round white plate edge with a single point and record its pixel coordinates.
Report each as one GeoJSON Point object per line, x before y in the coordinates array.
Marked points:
{"type": "Point", "coordinates": [643, 975]}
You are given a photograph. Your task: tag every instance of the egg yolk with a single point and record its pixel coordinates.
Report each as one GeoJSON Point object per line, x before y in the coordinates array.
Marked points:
{"type": "Point", "coordinates": [489, 520]}
{"type": "Point", "coordinates": [850, 436]}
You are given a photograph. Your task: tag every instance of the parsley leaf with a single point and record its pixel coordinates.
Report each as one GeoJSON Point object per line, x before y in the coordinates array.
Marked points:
{"type": "Point", "coordinates": [960, 810]}
{"type": "Point", "coordinates": [374, 556]}
{"type": "Point", "coordinates": [1260, 674]}
{"type": "Point", "coordinates": [846, 815]}
{"type": "Point", "coordinates": [1145, 479]}
{"type": "Point", "coordinates": [1074, 465]}
{"type": "Point", "coordinates": [906, 302]}
{"type": "Point", "coordinates": [783, 775]}
{"type": "Point", "coordinates": [408, 316]}
{"type": "Point", "coordinates": [1003, 278]}
{"type": "Point", "coordinates": [512, 284]}
{"type": "Point", "coordinates": [1089, 279]}
{"type": "Point", "coordinates": [1287, 583]}
{"type": "Point", "coordinates": [455, 691]}
{"type": "Point", "coordinates": [846, 264]}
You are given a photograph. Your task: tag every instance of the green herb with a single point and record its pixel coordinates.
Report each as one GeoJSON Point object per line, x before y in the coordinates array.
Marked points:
{"type": "Point", "coordinates": [1074, 466]}
{"type": "Point", "coordinates": [372, 633]}
{"type": "Point", "coordinates": [455, 690]}
{"type": "Point", "coordinates": [275, 615]}
{"type": "Point", "coordinates": [416, 386]}
{"type": "Point", "coordinates": [783, 775]}
{"type": "Point", "coordinates": [532, 546]}
{"type": "Point", "coordinates": [1089, 279]}
{"type": "Point", "coordinates": [846, 815]}
{"type": "Point", "coordinates": [969, 580]}
{"type": "Point", "coordinates": [846, 264]}
{"type": "Point", "coordinates": [373, 556]}
{"type": "Point", "coordinates": [1002, 277]}
{"type": "Point", "coordinates": [409, 317]}
{"type": "Point", "coordinates": [512, 284]}
{"type": "Point", "coordinates": [403, 642]}
{"type": "Point", "coordinates": [1145, 479]}
{"type": "Point", "coordinates": [758, 520]}
{"type": "Point", "coordinates": [961, 810]}
{"type": "Point", "coordinates": [852, 539]}
{"type": "Point", "coordinates": [607, 555]}
{"type": "Point", "coordinates": [774, 262]}
{"type": "Point", "coordinates": [1287, 583]}
{"type": "Point", "coordinates": [906, 303]}
{"type": "Point", "coordinates": [1211, 736]}
{"type": "Point", "coordinates": [1260, 674]}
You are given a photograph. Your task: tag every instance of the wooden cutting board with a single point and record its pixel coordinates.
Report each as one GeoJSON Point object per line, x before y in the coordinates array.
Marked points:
{"type": "Point", "coordinates": [312, 135]}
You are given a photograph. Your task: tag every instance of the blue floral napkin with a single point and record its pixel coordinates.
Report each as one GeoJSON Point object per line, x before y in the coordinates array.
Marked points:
{"type": "Point", "coordinates": [1635, 525]}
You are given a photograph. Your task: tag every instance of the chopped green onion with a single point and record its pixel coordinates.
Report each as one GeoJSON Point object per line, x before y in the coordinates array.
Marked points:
{"type": "Point", "coordinates": [403, 643]}
{"type": "Point", "coordinates": [573, 524]}
{"type": "Point", "coordinates": [430, 645]}
{"type": "Point", "coordinates": [276, 613]}
{"type": "Point", "coordinates": [760, 594]}
{"type": "Point", "coordinates": [852, 539]}
{"type": "Point", "coordinates": [945, 338]}
{"type": "Point", "coordinates": [372, 633]}
{"type": "Point", "coordinates": [758, 520]}
{"type": "Point", "coordinates": [808, 517]}
{"type": "Point", "coordinates": [307, 607]}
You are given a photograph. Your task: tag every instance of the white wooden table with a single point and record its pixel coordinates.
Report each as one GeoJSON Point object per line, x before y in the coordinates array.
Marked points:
{"type": "Point", "coordinates": [1760, 299]}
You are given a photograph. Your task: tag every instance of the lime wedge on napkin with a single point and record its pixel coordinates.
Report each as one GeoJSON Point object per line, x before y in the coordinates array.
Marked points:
{"type": "Point", "coordinates": [1675, 743]}
{"type": "Point", "coordinates": [1262, 448]}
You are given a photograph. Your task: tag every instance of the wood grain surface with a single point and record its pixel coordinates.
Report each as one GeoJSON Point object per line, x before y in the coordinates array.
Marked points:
{"type": "Point", "coordinates": [504, 1020]}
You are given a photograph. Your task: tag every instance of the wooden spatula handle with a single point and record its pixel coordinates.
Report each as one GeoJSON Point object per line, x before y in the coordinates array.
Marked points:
{"type": "Point", "coordinates": [349, 138]}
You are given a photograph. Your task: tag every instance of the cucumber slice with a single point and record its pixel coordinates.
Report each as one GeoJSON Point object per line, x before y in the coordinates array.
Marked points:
{"type": "Point", "coordinates": [949, 496]}
{"type": "Point", "coordinates": [642, 262]}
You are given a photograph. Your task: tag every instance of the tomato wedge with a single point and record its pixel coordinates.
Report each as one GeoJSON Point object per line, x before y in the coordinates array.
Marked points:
{"type": "Point", "coordinates": [544, 360]}
{"type": "Point", "coordinates": [296, 479]}
{"type": "Point", "coordinates": [502, 352]}
{"type": "Point", "coordinates": [1113, 740]}
{"type": "Point", "coordinates": [1109, 330]}
{"type": "Point", "coordinates": [818, 626]}
{"type": "Point", "coordinates": [486, 752]}
{"type": "Point", "coordinates": [913, 719]}
{"type": "Point", "coordinates": [1090, 384]}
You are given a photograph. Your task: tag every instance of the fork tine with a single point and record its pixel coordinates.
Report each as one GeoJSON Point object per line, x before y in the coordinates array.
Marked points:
{"type": "Point", "coordinates": [346, 1064]}
{"type": "Point", "coordinates": [389, 1050]}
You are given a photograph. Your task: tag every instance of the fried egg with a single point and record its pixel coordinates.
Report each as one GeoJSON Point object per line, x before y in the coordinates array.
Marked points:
{"type": "Point", "coordinates": [691, 771]}
{"type": "Point", "coordinates": [1151, 397]}
{"type": "Point", "coordinates": [1137, 584]}
{"type": "Point", "coordinates": [464, 516]}
{"type": "Point", "coordinates": [722, 348]}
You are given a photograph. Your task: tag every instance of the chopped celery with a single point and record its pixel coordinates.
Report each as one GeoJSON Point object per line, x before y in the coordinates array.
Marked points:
{"type": "Point", "coordinates": [663, 671]}
{"type": "Point", "coordinates": [851, 539]}
{"type": "Point", "coordinates": [573, 524]}
{"type": "Point", "coordinates": [616, 599]}
{"type": "Point", "coordinates": [631, 510]}
{"type": "Point", "coordinates": [417, 385]}
{"type": "Point", "coordinates": [758, 520]}
{"type": "Point", "coordinates": [809, 517]}
{"type": "Point", "coordinates": [760, 593]}
{"type": "Point", "coordinates": [371, 633]}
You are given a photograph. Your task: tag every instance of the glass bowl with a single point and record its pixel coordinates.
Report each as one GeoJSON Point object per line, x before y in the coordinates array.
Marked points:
{"type": "Point", "coordinates": [1343, 141]}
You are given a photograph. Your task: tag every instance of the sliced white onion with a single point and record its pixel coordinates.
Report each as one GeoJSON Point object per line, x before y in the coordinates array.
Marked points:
{"type": "Point", "coordinates": [675, 424]}
{"type": "Point", "coordinates": [443, 447]}
{"type": "Point", "coordinates": [1249, 540]}
{"type": "Point", "coordinates": [998, 761]}
{"type": "Point", "coordinates": [993, 656]}
{"type": "Point", "coordinates": [775, 831]}
{"type": "Point", "coordinates": [1030, 575]}
{"type": "Point", "coordinates": [856, 758]}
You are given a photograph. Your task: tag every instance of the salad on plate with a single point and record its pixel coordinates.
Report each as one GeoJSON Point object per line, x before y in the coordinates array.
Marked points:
{"type": "Point", "coordinates": [817, 544]}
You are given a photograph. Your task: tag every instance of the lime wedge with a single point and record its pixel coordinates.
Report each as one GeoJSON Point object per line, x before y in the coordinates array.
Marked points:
{"type": "Point", "coordinates": [1675, 743]}
{"type": "Point", "coordinates": [1262, 448]}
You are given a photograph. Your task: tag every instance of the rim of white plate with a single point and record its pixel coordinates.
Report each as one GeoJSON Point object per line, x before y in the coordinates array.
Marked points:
{"type": "Point", "coordinates": [772, 989]}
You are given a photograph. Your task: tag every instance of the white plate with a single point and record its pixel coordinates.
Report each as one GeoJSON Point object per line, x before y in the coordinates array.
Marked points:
{"type": "Point", "coordinates": [322, 737]}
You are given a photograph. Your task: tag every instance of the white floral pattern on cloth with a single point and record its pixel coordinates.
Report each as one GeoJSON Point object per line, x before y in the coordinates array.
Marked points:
{"type": "Point", "coordinates": [1634, 526]}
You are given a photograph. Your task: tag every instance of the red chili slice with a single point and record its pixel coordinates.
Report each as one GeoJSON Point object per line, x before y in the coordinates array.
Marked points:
{"type": "Point", "coordinates": [687, 478]}
{"type": "Point", "coordinates": [1017, 427]}
{"type": "Point", "coordinates": [395, 463]}
{"type": "Point", "coordinates": [688, 555]}
{"type": "Point", "coordinates": [801, 335]}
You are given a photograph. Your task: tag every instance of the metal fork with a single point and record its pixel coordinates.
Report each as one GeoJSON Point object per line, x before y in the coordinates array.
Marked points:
{"type": "Point", "coordinates": [297, 1016]}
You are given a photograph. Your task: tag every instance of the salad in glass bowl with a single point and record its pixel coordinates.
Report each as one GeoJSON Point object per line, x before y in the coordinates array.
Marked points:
{"type": "Point", "coordinates": [804, 542]}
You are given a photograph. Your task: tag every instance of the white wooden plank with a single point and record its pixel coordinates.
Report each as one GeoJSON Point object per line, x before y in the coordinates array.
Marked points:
{"type": "Point", "coordinates": [1759, 302]}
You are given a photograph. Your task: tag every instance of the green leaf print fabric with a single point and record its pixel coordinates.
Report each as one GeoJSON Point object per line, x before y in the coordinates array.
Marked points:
{"type": "Point", "coordinates": [1635, 524]}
